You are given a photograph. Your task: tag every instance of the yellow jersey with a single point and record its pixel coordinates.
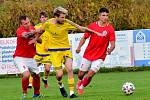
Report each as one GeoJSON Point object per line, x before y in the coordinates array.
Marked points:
{"type": "Point", "coordinates": [58, 34]}
{"type": "Point", "coordinates": [40, 47]}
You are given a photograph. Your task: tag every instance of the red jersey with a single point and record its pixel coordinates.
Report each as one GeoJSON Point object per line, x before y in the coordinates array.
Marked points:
{"type": "Point", "coordinates": [97, 46]}
{"type": "Point", "coordinates": [22, 48]}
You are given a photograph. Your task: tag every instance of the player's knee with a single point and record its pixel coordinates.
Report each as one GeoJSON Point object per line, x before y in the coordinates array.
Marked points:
{"type": "Point", "coordinates": [34, 75]}
{"type": "Point", "coordinates": [69, 70]}
{"type": "Point", "coordinates": [59, 74]}
{"type": "Point", "coordinates": [90, 77]}
{"type": "Point", "coordinates": [91, 73]}
{"type": "Point", "coordinates": [26, 74]}
{"type": "Point", "coordinates": [47, 68]}
{"type": "Point", "coordinates": [80, 75]}
{"type": "Point", "coordinates": [59, 78]}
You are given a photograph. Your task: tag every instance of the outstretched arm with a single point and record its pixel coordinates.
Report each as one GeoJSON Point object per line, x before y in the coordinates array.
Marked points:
{"type": "Point", "coordinates": [84, 29]}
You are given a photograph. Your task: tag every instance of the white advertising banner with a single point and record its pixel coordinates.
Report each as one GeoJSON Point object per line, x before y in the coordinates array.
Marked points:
{"type": "Point", "coordinates": [77, 57]}
{"type": "Point", "coordinates": [8, 46]}
{"type": "Point", "coordinates": [121, 56]}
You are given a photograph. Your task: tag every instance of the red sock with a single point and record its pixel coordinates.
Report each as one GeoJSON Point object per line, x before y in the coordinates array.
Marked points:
{"type": "Point", "coordinates": [86, 81]}
{"type": "Point", "coordinates": [25, 83]}
{"type": "Point", "coordinates": [36, 84]}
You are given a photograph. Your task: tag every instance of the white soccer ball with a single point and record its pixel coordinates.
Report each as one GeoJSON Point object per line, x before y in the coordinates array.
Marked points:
{"type": "Point", "coordinates": [128, 88]}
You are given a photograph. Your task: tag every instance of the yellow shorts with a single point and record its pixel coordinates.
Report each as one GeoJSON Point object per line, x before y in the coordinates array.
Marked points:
{"type": "Point", "coordinates": [43, 59]}
{"type": "Point", "coordinates": [59, 57]}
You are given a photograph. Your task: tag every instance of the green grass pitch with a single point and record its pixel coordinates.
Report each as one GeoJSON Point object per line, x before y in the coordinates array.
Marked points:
{"type": "Point", "coordinates": [104, 86]}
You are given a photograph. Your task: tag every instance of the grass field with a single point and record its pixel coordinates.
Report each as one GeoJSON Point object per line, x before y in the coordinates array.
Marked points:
{"type": "Point", "coordinates": [104, 86]}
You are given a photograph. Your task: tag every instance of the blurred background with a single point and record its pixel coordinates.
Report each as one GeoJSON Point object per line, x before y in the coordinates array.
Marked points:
{"type": "Point", "coordinates": [124, 14]}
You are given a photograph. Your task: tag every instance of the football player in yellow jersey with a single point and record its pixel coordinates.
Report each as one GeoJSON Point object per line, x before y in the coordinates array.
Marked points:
{"type": "Point", "coordinates": [59, 47]}
{"type": "Point", "coordinates": [42, 56]}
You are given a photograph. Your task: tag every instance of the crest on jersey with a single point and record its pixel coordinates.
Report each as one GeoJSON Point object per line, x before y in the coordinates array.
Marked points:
{"type": "Point", "coordinates": [104, 33]}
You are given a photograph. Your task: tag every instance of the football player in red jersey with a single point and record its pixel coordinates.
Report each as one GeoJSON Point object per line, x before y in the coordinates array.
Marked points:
{"type": "Point", "coordinates": [23, 56]}
{"type": "Point", "coordinates": [96, 50]}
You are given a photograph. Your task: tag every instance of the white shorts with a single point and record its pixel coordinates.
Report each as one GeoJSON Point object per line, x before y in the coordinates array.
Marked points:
{"type": "Point", "coordinates": [92, 65]}
{"type": "Point", "coordinates": [26, 64]}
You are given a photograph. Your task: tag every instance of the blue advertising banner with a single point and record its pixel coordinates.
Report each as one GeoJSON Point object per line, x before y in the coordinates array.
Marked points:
{"type": "Point", "coordinates": [141, 43]}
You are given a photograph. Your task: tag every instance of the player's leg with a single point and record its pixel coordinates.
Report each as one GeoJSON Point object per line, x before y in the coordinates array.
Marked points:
{"type": "Point", "coordinates": [47, 64]}
{"type": "Point", "coordinates": [70, 76]}
{"type": "Point", "coordinates": [25, 83]}
{"type": "Point", "coordinates": [21, 64]}
{"type": "Point", "coordinates": [59, 75]}
{"type": "Point", "coordinates": [56, 58]}
{"type": "Point", "coordinates": [87, 79]}
{"type": "Point", "coordinates": [46, 74]}
{"type": "Point", "coordinates": [94, 68]}
{"type": "Point", "coordinates": [68, 64]}
{"type": "Point", "coordinates": [36, 85]}
{"type": "Point", "coordinates": [79, 82]}
{"type": "Point", "coordinates": [85, 64]}
{"type": "Point", "coordinates": [36, 78]}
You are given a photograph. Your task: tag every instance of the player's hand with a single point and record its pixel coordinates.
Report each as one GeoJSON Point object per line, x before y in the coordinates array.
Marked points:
{"type": "Point", "coordinates": [40, 31]}
{"type": "Point", "coordinates": [33, 31]}
{"type": "Point", "coordinates": [99, 34]}
{"type": "Point", "coordinates": [78, 50]}
{"type": "Point", "coordinates": [46, 49]}
{"type": "Point", "coordinates": [93, 31]}
{"type": "Point", "coordinates": [108, 52]}
{"type": "Point", "coordinates": [33, 41]}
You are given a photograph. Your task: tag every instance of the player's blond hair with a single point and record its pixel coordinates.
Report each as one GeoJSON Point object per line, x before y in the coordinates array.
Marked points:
{"type": "Point", "coordinates": [60, 10]}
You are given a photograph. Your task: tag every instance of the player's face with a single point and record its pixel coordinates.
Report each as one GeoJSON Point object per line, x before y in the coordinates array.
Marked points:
{"type": "Point", "coordinates": [25, 23]}
{"type": "Point", "coordinates": [61, 18]}
{"type": "Point", "coordinates": [43, 19]}
{"type": "Point", "coordinates": [103, 17]}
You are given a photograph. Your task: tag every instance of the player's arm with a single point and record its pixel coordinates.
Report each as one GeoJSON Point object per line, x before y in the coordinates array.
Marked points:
{"type": "Point", "coordinates": [83, 29]}
{"type": "Point", "coordinates": [36, 39]}
{"type": "Point", "coordinates": [28, 34]}
{"type": "Point", "coordinates": [112, 47]}
{"type": "Point", "coordinates": [39, 32]}
{"type": "Point", "coordinates": [82, 41]}
{"type": "Point", "coordinates": [111, 41]}
{"type": "Point", "coordinates": [32, 33]}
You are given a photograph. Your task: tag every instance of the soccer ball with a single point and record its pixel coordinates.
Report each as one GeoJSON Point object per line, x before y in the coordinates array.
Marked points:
{"type": "Point", "coordinates": [128, 88]}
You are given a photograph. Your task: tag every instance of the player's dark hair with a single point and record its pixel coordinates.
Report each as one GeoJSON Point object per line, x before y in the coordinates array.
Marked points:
{"type": "Point", "coordinates": [22, 18]}
{"type": "Point", "coordinates": [43, 13]}
{"type": "Point", "coordinates": [103, 9]}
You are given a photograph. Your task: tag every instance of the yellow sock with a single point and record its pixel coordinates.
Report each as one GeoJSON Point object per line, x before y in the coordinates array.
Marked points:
{"type": "Point", "coordinates": [71, 84]}
{"type": "Point", "coordinates": [46, 73]}
{"type": "Point", "coordinates": [30, 79]}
